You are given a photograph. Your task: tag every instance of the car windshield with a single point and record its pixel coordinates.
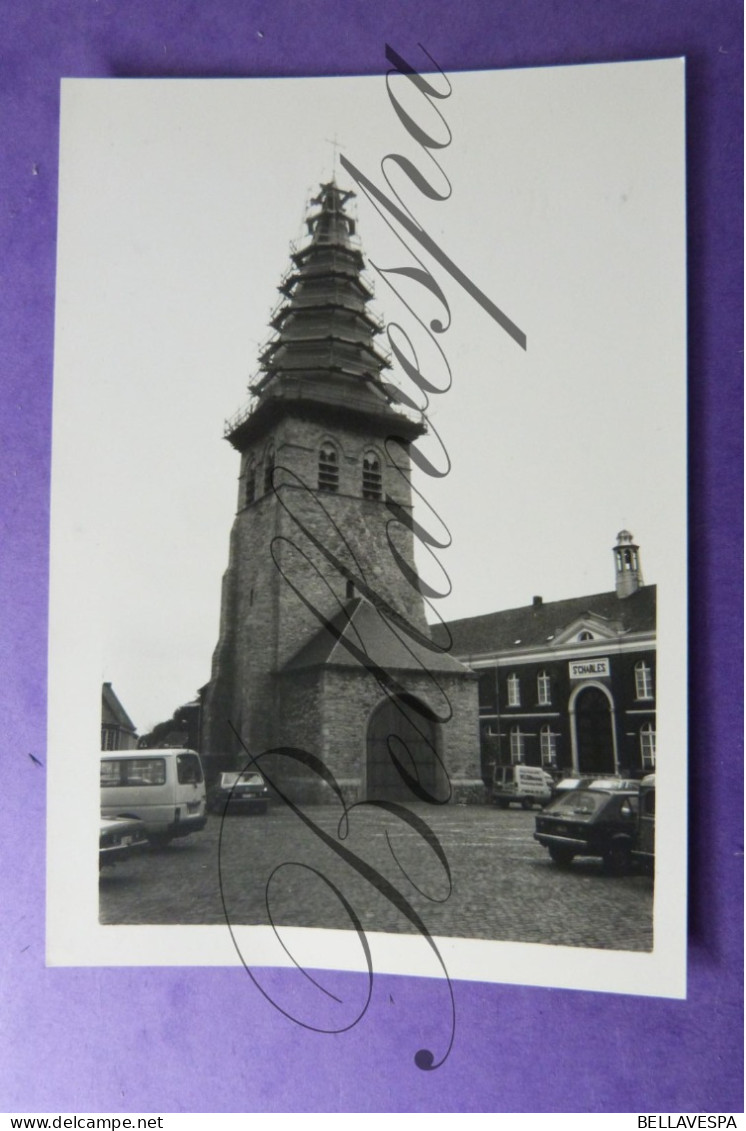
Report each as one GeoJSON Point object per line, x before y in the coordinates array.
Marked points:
{"type": "Point", "coordinates": [188, 769]}
{"type": "Point", "coordinates": [248, 777]}
{"type": "Point", "coordinates": [580, 803]}
{"type": "Point", "coordinates": [612, 783]}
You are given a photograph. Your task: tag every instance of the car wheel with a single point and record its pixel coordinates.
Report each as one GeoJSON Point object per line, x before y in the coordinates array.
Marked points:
{"type": "Point", "coordinates": [527, 803]}
{"type": "Point", "coordinates": [561, 855]}
{"type": "Point", "coordinates": [617, 858]}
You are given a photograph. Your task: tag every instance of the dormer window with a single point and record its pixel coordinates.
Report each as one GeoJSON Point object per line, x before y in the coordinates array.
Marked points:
{"type": "Point", "coordinates": [328, 469]}
{"type": "Point", "coordinates": [372, 482]}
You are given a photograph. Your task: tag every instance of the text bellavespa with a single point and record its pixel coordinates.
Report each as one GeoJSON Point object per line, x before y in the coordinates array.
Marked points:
{"type": "Point", "coordinates": [698, 1121]}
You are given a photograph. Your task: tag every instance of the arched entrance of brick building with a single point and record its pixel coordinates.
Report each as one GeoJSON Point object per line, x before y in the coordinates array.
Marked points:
{"type": "Point", "coordinates": [593, 730]}
{"type": "Point", "coordinates": [403, 728]}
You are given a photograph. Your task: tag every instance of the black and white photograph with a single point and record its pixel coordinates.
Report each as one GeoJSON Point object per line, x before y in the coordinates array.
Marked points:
{"type": "Point", "coordinates": [368, 536]}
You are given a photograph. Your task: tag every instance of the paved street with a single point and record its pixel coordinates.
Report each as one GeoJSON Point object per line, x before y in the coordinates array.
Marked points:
{"type": "Point", "coordinates": [503, 884]}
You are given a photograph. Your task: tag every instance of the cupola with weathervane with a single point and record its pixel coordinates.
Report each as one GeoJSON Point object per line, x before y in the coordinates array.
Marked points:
{"type": "Point", "coordinates": [627, 565]}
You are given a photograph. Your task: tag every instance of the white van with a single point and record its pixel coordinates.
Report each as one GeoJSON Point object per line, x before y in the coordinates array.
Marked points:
{"type": "Point", "coordinates": [163, 788]}
{"type": "Point", "coordinates": [526, 785]}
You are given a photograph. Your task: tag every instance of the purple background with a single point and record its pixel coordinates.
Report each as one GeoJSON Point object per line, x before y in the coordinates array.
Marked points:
{"type": "Point", "coordinates": [128, 1040]}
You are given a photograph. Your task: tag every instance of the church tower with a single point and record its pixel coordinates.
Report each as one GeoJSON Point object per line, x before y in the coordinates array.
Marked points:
{"type": "Point", "coordinates": [323, 640]}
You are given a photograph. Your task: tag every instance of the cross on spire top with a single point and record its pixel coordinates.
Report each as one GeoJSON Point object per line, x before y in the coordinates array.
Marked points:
{"type": "Point", "coordinates": [336, 146]}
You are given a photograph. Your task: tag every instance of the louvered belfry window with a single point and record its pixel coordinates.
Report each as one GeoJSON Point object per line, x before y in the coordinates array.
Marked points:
{"type": "Point", "coordinates": [250, 484]}
{"type": "Point", "coordinates": [269, 470]}
{"type": "Point", "coordinates": [372, 483]}
{"type": "Point", "coordinates": [328, 469]}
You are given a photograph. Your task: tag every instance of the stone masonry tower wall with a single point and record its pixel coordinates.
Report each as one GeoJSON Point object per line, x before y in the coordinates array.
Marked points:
{"type": "Point", "coordinates": [276, 571]}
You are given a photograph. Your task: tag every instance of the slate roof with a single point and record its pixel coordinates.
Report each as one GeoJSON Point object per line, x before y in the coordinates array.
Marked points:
{"type": "Point", "coordinates": [369, 632]}
{"type": "Point", "coordinates": [323, 361]}
{"type": "Point", "coordinates": [536, 625]}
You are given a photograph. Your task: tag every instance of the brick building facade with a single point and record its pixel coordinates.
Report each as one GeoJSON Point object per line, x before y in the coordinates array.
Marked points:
{"type": "Point", "coordinates": [568, 685]}
{"type": "Point", "coordinates": [323, 643]}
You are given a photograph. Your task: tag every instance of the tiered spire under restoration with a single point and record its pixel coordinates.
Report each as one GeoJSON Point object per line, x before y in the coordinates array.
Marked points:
{"type": "Point", "coordinates": [323, 352]}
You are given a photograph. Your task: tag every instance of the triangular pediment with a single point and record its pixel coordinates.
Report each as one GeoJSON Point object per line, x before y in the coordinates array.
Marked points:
{"type": "Point", "coordinates": [586, 629]}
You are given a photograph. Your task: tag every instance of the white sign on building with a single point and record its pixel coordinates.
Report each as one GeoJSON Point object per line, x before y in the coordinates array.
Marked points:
{"type": "Point", "coordinates": [589, 669]}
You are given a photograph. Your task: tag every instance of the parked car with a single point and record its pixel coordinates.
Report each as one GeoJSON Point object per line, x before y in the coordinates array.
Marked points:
{"type": "Point", "coordinates": [244, 791]}
{"type": "Point", "coordinates": [564, 785]}
{"type": "Point", "coordinates": [118, 838]}
{"type": "Point", "coordinates": [164, 788]}
{"type": "Point", "coordinates": [598, 818]}
{"type": "Point", "coordinates": [525, 785]}
{"type": "Point", "coordinates": [603, 781]}
{"type": "Point", "coordinates": [644, 847]}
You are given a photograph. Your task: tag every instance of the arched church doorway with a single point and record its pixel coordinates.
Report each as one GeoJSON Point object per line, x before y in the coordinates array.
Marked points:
{"type": "Point", "coordinates": [405, 729]}
{"type": "Point", "coordinates": [594, 733]}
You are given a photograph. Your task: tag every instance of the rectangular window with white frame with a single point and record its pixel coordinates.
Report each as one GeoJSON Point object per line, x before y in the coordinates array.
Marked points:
{"type": "Point", "coordinates": [643, 680]}
{"type": "Point", "coordinates": [517, 744]}
{"type": "Point", "coordinates": [647, 746]}
{"type": "Point", "coordinates": [544, 689]}
{"type": "Point", "coordinates": [548, 742]}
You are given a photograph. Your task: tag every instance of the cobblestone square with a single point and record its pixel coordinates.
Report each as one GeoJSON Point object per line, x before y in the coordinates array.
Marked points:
{"type": "Point", "coordinates": [502, 884]}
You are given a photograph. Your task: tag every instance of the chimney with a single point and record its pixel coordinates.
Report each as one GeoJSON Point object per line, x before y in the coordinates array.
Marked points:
{"type": "Point", "coordinates": [538, 602]}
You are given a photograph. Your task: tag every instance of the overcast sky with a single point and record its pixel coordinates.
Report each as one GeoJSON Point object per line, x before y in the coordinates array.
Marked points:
{"type": "Point", "coordinates": [178, 200]}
